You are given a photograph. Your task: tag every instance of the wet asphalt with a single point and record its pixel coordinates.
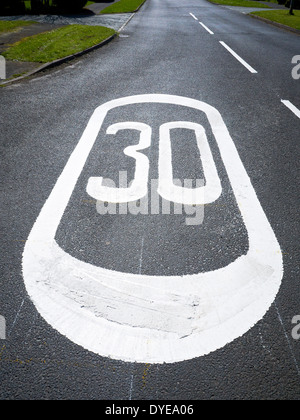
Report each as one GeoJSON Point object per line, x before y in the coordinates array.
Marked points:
{"type": "Point", "coordinates": [162, 50]}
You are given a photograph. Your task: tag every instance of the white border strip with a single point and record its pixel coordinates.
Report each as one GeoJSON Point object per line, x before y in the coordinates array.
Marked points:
{"type": "Point", "coordinates": [291, 107]}
{"type": "Point", "coordinates": [152, 319]}
{"type": "Point", "coordinates": [248, 67]}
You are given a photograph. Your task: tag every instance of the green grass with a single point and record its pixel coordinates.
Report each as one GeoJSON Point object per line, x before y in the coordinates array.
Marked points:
{"type": "Point", "coordinates": [27, 4]}
{"type": "Point", "coordinates": [123, 6]}
{"type": "Point", "coordinates": [13, 26]}
{"type": "Point", "coordinates": [60, 43]}
{"type": "Point", "coordinates": [240, 3]}
{"type": "Point", "coordinates": [283, 17]}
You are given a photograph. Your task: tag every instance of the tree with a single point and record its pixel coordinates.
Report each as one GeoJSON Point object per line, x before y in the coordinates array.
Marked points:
{"type": "Point", "coordinates": [292, 5]}
{"type": "Point", "coordinates": [67, 6]}
{"type": "Point", "coordinates": [12, 6]}
{"type": "Point", "coordinates": [70, 5]}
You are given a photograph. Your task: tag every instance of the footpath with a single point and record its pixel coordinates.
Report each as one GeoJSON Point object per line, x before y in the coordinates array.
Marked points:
{"type": "Point", "coordinates": [16, 70]}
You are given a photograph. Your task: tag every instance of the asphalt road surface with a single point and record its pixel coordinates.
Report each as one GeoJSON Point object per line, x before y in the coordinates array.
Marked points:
{"type": "Point", "coordinates": [134, 292]}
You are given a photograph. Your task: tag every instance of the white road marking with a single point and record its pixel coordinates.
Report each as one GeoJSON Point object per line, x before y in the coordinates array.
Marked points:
{"type": "Point", "coordinates": [210, 192]}
{"type": "Point", "coordinates": [193, 16]}
{"type": "Point", "coordinates": [139, 187]}
{"type": "Point", "coordinates": [248, 67]}
{"type": "Point", "coordinates": [206, 28]}
{"type": "Point", "coordinates": [292, 108]}
{"type": "Point", "coordinates": [152, 319]}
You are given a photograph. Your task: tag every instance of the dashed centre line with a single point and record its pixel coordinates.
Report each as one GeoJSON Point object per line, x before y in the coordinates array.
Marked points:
{"type": "Point", "coordinates": [202, 24]}
{"type": "Point", "coordinates": [193, 16]}
{"type": "Point", "coordinates": [245, 64]}
{"type": "Point", "coordinates": [206, 28]}
{"type": "Point", "coordinates": [287, 103]}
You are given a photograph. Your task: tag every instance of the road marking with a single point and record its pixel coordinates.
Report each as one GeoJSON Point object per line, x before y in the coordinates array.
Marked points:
{"type": "Point", "coordinates": [205, 27]}
{"type": "Point", "coordinates": [292, 108]}
{"type": "Point", "coordinates": [248, 67]}
{"type": "Point", "coordinates": [206, 194]}
{"type": "Point", "coordinates": [193, 16]}
{"type": "Point", "coordinates": [139, 186]}
{"type": "Point", "coordinates": [152, 319]}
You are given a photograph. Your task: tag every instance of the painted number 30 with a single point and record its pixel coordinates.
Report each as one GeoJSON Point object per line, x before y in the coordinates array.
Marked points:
{"type": "Point", "coordinates": [153, 319]}
{"type": "Point", "coordinates": [166, 187]}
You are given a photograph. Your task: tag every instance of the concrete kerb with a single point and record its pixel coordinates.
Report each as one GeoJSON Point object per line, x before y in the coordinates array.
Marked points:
{"type": "Point", "coordinates": [63, 60]}
{"type": "Point", "coordinates": [270, 22]}
{"type": "Point", "coordinates": [58, 62]}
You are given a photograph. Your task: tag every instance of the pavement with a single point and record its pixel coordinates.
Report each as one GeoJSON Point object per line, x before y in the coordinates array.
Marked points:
{"type": "Point", "coordinates": [173, 314]}
{"type": "Point", "coordinates": [17, 69]}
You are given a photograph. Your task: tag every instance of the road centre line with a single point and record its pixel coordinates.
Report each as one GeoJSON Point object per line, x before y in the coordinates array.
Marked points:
{"type": "Point", "coordinates": [243, 62]}
{"type": "Point", "coordinates": [248, 67]}
{"type": "Point", "coordinates": [291, 107]}
{"type": "Point", "coordinates": [206, 28]}
{"type": "Point", "coordinates": [193, 16]}
{"type": "Point", "coordinates": [202, 24]}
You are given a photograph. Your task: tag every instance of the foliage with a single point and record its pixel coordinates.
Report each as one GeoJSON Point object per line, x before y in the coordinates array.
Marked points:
{"type": "Point", "coordinates": [123, 6]}
{"type": "Point", "coordinates": [41, 6]}
{"type": "Point", "coordinates": [60, 43]}
{"type": "Point", "coordinates": [283, 17]}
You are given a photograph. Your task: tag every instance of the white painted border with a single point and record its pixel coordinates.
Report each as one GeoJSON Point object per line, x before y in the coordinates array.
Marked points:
{"type": "Point", "coordinates": [155, 319]}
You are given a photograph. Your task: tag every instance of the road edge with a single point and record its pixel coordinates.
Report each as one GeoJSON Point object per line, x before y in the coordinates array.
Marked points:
{"type": "Point", "coordinates": [270, 22]}
{"type": "Point", "coordinates": [278, 25]}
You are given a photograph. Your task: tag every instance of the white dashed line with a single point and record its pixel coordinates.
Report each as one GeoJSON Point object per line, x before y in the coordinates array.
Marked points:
{"type": "Point", "coordinates": [205, 27]}
{"type": "Point", "coordinates": [193, 16]}
{"type": "Point", "coordinates": [248, 67]}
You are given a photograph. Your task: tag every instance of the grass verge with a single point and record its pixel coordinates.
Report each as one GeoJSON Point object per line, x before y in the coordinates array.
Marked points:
{"type": "Point", "coordinates": [283, 17]}
{"type": "Point", "coordinates": [60, 43]}
{"type": "Point", "coordinates": [13, 26]}
{"type": "Point", "coordinates": [123, 6]}
{"type": "Point", "coordinates": [241, 3]}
